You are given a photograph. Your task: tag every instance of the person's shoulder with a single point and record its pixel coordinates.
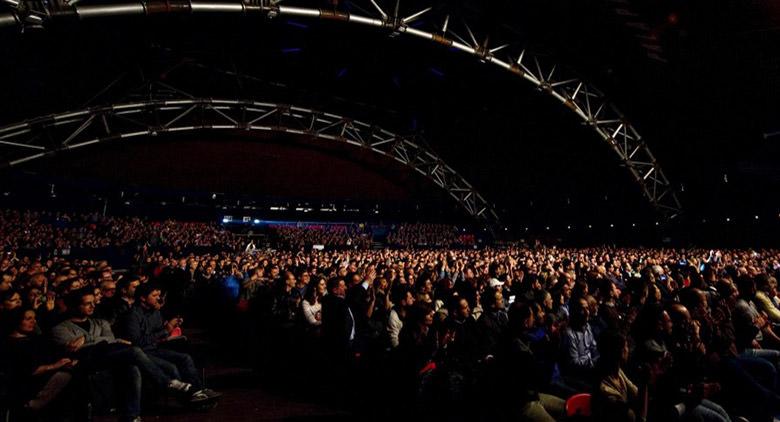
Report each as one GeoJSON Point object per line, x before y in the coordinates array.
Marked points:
{"type": "Point", "coordinates": [63, 325]}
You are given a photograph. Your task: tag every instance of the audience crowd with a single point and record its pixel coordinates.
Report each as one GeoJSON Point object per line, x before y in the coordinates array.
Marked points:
{"type": "Point", "coordinates": [452, 334]}
{"type": "Point", "coordinates": [331, 236]}
{"type": "Point", "coordinates": [422, 235]}
{"type": "Point", "coordinates": [51, 232]}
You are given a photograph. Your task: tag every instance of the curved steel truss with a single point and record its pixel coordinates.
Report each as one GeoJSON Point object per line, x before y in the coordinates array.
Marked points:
{"type": "Point", "coordinates": [47, 135]}
{"type": "Point", "coordinates": [433, 23]}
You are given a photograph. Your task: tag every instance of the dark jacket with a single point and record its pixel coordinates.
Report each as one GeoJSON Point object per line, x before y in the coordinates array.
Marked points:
{"type": "Point", "coordinates": [142, 327]}
{"type": "Point", "coordinates": [337, 323]}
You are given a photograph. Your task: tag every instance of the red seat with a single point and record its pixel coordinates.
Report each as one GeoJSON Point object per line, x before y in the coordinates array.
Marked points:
{"type": "Point", "coordinates": [578, 405]}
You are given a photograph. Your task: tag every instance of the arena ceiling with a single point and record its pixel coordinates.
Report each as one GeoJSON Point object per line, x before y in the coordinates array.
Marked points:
{"type": "Point", "coordinates": [699, 87]}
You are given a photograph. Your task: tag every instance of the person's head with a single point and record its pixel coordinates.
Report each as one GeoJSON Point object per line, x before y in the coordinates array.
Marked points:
{"type": "Point", "coordinates": [10, 300]}
{"type": "Point", "coordinates": [521, 317]}
{"type": "Point", "coordinates": [305, 278]}
{"type": "Point", "coordinates": [696, 302]}
{"type": "Point", "coordinates": [337, 287]}
{"type": "Point", "coordinates": [462, 309]}
{"type": "Point", "coordinates": [539, 314]}
{"type": "Point", "coordinates": [746, 286]}
{"type": "Point", "coordinates": [593, 306]}
{"type": "Point", "coordinates": [545, 299]}
{"type": "Point", "coordinates": [32, 296]}
{"type": "Point", "coordinates": [613, 351]}
{"type": "Point", "coordinates": [127, 287]}
{"type": "Point", "coordinates": [315, 290]}
{"type": "Point", "coordinates": [579, 313]}
{"type": "Point", "coordinates": [98, 295]}
{"type": "Point", "coordinates": [652, 323]}
{"type": "Point", "coordinates": [6, 282]}
{"type": "Point", "coordinates": [20, 321]}
{"type": "Point", "coordinates": [493, 298]}
{"type": "Point", "coordinates": [772, 286]}
{"type": "Point", "coordinates": [289, 280]}
{"type": "Point", "coordinates": [402, 296]}
{"type": "Point", "coordinates": [149, 296]}
{"type": "Point", "coordinates": [421, 314]}
{"type": "Point", "coordinates": [381, 283]}
{"type": "Point", "coordinates": [108, 289]}
{"type": "Point", "coordinates": [37, 280]}
{"type": "Point", "coordinates": [355, 279]}
{"type": "Point", "coordinates": [81, 303]}
{"type": "Point", "coordinates": [607, 290]}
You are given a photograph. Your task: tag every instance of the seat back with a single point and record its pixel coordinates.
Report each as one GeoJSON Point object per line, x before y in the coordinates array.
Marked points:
{"type": "Point", "coordinates": [578, 405]}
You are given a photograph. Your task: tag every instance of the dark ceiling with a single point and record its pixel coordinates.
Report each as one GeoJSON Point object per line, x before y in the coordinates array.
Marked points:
{"type": "Point", "coordinates": [699, 80]}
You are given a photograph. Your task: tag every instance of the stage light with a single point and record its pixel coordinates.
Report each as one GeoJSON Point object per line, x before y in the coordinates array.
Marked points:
{"type": "Point", "coordinates": [756, 217]}
{"type": "Point", "coordinates": [728, 219]}
{"type": "Point", "coordinates": [633, 224]}
{"type": "Point", "coordinates": [657, 223]}
{"type": "Point", "coordinates": [612, 225]}
{"type": "Point", "coordinates": [590, 226]}
{"type": "Point", "coordinates": [256, 221]}
{"type": "Point", "coordinates": [547, 228]}
{"type": "Point", "coordinates": [568, 227]}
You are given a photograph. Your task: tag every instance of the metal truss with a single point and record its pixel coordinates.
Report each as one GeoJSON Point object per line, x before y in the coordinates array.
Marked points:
{"type": "Point", "coordinates": [433, 23]}
{"type": "Point", "coordinates": [48, 135]}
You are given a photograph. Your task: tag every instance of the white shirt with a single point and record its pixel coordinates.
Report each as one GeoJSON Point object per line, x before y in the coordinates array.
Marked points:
{"type": "Point", "coordinates": [310, 312]}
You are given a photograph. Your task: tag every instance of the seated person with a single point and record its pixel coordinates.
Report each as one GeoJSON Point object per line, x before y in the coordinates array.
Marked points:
{"type": "Point", "coordinates": [580, 352]}
{"type": "Point", "coordinates": [766, 291]}
{"type": "Point", "coordinates": [111, 308]}
{"type": "Point", "coordinates": [143, 326]}
{"type": "Point", "coordinates": [92, 342]}
{"type": "Point", "coordinates": [616, 398]}
{"type": "Point", "coordinates": [36, 377]}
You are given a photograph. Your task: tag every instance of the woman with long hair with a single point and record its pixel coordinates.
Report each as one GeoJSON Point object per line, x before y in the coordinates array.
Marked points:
{"type": "Point", "coordinates": [312, 302]}
{"type": "Point", "coordinates": [37, 377]}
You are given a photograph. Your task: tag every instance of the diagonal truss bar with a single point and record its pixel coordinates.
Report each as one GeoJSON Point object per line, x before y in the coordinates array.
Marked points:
{"type": "Point", "coordinates": [22, 142]}
{"type": "Point", "coordinates": [433, 24]}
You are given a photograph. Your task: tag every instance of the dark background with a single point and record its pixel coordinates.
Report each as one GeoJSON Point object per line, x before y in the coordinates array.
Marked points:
{"type": "Point", "coordinates": [703, 96]}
